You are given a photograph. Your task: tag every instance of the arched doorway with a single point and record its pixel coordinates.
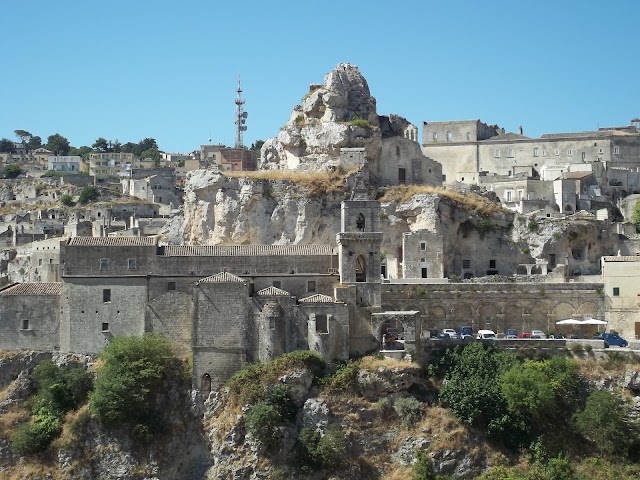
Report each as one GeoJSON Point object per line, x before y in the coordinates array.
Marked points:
{"type": "Point", "coordinates": [205, 384]}
{"type": "Point", "coordinates": [392, 335]}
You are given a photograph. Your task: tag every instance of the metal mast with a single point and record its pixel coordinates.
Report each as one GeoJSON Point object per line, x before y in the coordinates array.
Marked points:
{"type": "Point", "coordinates": [241, 117]}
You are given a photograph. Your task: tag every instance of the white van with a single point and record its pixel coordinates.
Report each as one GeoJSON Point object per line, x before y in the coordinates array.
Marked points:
{"type": "Point", "coordinates": [486, 335]}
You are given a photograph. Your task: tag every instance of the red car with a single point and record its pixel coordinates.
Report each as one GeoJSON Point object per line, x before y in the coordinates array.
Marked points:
{"type": "Point", "coordinates": [524, 335]}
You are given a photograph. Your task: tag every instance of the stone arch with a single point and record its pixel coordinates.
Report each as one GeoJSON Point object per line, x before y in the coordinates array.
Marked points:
{"type": "Point", "coordinates": [512, 318]}
{"type": "Point", "coordinates": [589, 308]}
{"type": "Point", "coordinates": [462, 314]}
{"type": "Point", "coordinates": [521, 270]}
{"type": "Point", "coordinates": [435, 317]}
{"type": "Point", "coordinates": [387, 342]}
{"type": "Point", "coordinates": [205, 384]}
{"type": "Point", "coordinates": [536, 270]}
{"type": "Point", "coordinates": [536, 317]}
{"type": "Point", "coordinates": [561, 311]}
{"type": "Point", "coordinates": [487, 315]}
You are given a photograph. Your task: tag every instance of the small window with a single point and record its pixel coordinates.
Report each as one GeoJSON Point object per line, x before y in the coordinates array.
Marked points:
{"type": "Point", "coordinates": [536, 152]}
{"type": "Point", "coordinates": [601, 150]}
{"type": "Point", "coordinates": [104, 264]}
{"type": "Point", "coordinates": [423, 246]}
{"type": "Point", "coordinates": [322, 326]}
{"type": "Point", "coordinates": [131, 263]}
{"type": "Point", "coordinates": [105, 326]}
{"type": "Point", "coordinates": [449, 136]}
{"type": "Point", "coordinates": [468, 136]}
{"type": "Point", "coordinates": [171, 286]}
{"type": "Point", "coordinates": [466, 263]}
{"type": "Point", "coordinates": [106, 295]}
{"type": "Point", "coordinates": [272, 323]}
{"type": "Point", "coordinates": [424, 272]}
{"type": "Point", "coordinates": [569, 151]}
{"type": "Point", "coordinates": [616, 291]}
{"type": "Point", "coordinates": [311, 286]}
{"type": "Point", "coordinates": [492, 264]}
{"type": "Point", "coordinates": [397, 151]}
{"type": "Point", "coordinates": [584, 155]}
{"type": "Point", "coordinates": [544, 153]}
{"type": "Point", "coordinates": [25, 324]}
{"type": "Point", "coordinates": [496, 153]}
{"type": "Point", "coordinates": [435, 135]}
{"type": "Point", "coordinates": [510, 152]}
{"type": "Point", "coordinates": [402, 176]}
{"type": "Point", "coordinates": [557, 151]}
{"type": "Point", "coordinates": [39, 262]}
{"type": "Point", "coordinates": [277, 284]}
{"type": "Point", "coordinates": [616, 150]}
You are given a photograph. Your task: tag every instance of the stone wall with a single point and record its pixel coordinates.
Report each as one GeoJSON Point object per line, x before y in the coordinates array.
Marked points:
{"type": "Point", "coordinates": [29, 322]}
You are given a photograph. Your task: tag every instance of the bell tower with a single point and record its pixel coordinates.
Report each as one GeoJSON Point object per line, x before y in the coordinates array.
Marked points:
{"type": "Point", "coordinates": [359, 244]}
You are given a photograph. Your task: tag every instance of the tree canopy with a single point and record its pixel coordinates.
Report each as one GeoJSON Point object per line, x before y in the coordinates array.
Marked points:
{"type": "Point", "coordinates": [58, 144]}
{"type": "Point", "coordinates": [635, 215]}
{"type": "Point", "coordinates": [6, 146]}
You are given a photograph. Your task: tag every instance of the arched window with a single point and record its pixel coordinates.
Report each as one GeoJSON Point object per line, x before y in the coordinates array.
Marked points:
{"type": "Point", "coordinates": [397, 151]}
{"type": "Point", "coordinates": [361, 269]}
{"type": "Point", "coordinates": [360, 222]}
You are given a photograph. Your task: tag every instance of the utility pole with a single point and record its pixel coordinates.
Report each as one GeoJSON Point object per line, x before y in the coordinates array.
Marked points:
{"type": "Point", "coordinates": [241, 117]}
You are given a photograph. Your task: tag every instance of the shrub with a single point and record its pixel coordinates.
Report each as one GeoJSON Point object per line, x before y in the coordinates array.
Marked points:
{"type": "Point", "coordinates": [129, 380]}
{"type": "Point", "coordinates": [423, 468]}
{"type": "Point", "coordinates": [605, 423]}
{"type": "Point", "coordinates": [409, 410]}
{"type": "Point", "coordinates": [66, 200]}
{"type": "Point", "coordinates": [88, 194]}
{"type": "Point", "coordinates": [360, 122]}
{"type": "Point", "coordinates": [483, 227]}
{"type": "Point", "coordinates": [262, 420]}
{"type": "Point", "coordinates": [344, 379]}
{"type": "Point", "coordinates": [321, 451]}
{"type": "Point", "coordinates": [37, 435]}
{"type": "Point", "coordinates": [12, 171]}
{"type": "Point", "coordinates": [532, 226]}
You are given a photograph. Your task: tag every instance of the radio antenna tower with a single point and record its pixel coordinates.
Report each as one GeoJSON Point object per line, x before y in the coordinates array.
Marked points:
{"type": "Point", "coordinates": [241, 117]}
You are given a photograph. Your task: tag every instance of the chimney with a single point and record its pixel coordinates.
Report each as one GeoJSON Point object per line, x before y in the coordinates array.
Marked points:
{"type": "Point", "coordinates": [520, 129]}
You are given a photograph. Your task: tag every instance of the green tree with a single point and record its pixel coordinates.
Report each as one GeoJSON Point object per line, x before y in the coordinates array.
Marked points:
{"type": "Point", "coordinates": [129, 381]}
{"type": "Point", "coordinates": [635, 215]}
{"type": "Point", "coordinates": [83, 151]}
{"type": "Point", "coordinates": [101, 145]}
{"type": "Point", "coordinates": [148, 143]}
{"type": "Point", "coordinates": [58, 144]}
{"type": "Point", "coordinates": [88, 194]}
{"type": "Point", "coordinates": [66, 200]}
{"type": "Point", "coordinates": [131, 147]}
{"type": "Point", "coordinates": [33, 143]}
{"type": "Point", "coordinates": [527, 391]}
{"type": "Point", "coordinates": [605, 422]}
{"type": "Point", "coordinates": [257, 145]}
{"type": "Point", "coordinates": [12, 171]}
{"type": "Point", "coordinates": [6, 146]}
{"type": "Point", "coordinates": [23, 136]}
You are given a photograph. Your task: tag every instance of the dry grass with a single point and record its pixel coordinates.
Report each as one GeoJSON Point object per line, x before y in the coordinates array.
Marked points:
{"type": "Point", "coordinates": [29, 470]}
{"type": "Point", "coordinates": [374, 363]}
{"type": "Point", "coordinates": [398, 473]}
{"type": "Point", "coordinates": [471, 201]}
{"type": "Point", "coordinates": [8, 354]}
{"type": "Point", "coordinates": [313, 183]}
{"type": "Point", "coordinates": [616, 364]}
{"type": "Point", "coordinates": [71, 426]}
{"type": "Point", "coordinates": [447, 432]}
{"type": "Point", "coordinates": [11, 419]}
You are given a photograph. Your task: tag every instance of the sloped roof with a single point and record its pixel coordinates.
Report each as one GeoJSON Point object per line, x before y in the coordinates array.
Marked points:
{"type": "Point", "coordinates": [34, 288]}
{"type": "Point", "coordinates": [317, 298]}
{"type": "Point", "coordinates": [223, 277]}
{"type": "Point", "coordinates": [245, 250]}
{"type": "Point", "coordinates": [113, 241]}
{"type": "Point", "coordinates": [272, 292]}
{"type": "Point", "coordinates": [576, 175]}
{"type": "Point", "coordinates": [593, 133]}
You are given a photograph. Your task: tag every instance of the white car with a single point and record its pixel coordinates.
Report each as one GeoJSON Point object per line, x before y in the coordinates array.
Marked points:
{"type": "Point", "coordinates": [486, 335]}
{"type": "Point", "coordinates": [538, 334]}
{"type": "Point", "coordinates": [451, 332]}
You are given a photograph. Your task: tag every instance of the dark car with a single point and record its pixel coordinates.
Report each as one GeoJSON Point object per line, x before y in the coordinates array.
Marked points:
{"type": "Point", "coordinates": [511, 333]}
{"type": "Point", "coordinates": [613, 339]}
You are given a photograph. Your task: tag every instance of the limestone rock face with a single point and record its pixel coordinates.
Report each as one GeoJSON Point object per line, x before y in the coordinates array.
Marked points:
{"type": "Point", "coordinates": [323, 123]}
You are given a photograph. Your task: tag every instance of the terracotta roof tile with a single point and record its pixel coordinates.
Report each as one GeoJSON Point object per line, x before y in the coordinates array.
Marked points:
{"type": "Point", "coordinates": [33, 288]}
{"type": "Point", "coordinates": [272, 292]}
{"type": "Point", "coordinates": [318, 298]}
{"type": "Point", "coordinates": [245, 250]}
{"type": "Point", "coordinates": [224, 277]}
{"type": "Point", "coordinates": [113, 241]}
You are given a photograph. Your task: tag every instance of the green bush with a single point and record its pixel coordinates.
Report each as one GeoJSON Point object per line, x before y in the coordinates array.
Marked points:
{"type": "Point", "coordinates": [36, 435]}
{"type": "Point", "coordinates": [66, 200]}
{"type": "Point", "coordinates": [321, 451]}
{"type": "Point", "coordinates": [129, 381]}
{"type": "Point", "coordinates": [262, 420]}
{"type": "Point", "coordinates": [409, 410]}
{"type": "Point", "coordinates": [12, 171]}
{"type": "Point", "coordinates": [88, 194]}
{"type": "Point", "coordinates": [360, 122]}
{"type": "Point", "coordinates": [532, 226]}
{"type": "Point", "coordinates": [423, 468]}
{"type": "Point", "coordinates": [344, 379]}
{"type": "Point", "coordinates": [605, 422]}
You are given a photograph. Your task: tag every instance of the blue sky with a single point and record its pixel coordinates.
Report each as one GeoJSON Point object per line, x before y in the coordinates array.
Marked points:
{"type": "Point", "coordinates": [130, 69]}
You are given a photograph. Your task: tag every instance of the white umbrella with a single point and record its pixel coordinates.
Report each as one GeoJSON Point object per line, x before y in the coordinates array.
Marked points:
{"type": "Point", "coordinates": [593, 321]}
{"type": "Point", "coordinates": [569, 321]}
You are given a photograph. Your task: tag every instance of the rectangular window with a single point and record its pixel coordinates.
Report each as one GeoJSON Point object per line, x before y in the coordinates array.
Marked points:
{"type": "Point", "coordinates": [322, 325]}
{"type": "Point", "coordinates": [569, 151]}
{"type": "Point", "coordinates": [435, 135]}
{"type": "Point", "coordinates": [105, 326]}
{"type": "Point", "coordinates": [510, 152]}
{"type": "Point", "coordinates": [25, 324]}
{"type": "Point", "coordinates": [171, 286]}
{"type": "Point", "coordinates": [468, 136]}
{"type": "Point", "coordinates": [557, 151]}
{"type": "Point", "coordinates": [584, 155]}
{"type": "Point", "coordinates": [104, 264]}
{"type": "Point", "coordinates": [272, 323]}
{"type": "Point", "coordinates": [423, 246]}
{"type": "Point", "coordinates": [131, 263]}
{"type": "Point", "coordinates": [520, 194]}
{"type": "Point", "coordinates": [424, 272]}
{"type": "Point", "coordinates": [402, 176]}
{"type": "Point", "coordinates": [509, 193]}
{"type": "Point", "coordinates": [449, 136]}
{"type": "Point", "coordinates": [601, 150]}
{"type": "Point", "coordinates": [616, 291]}
{"type": "Point", "coordinates": [106, 295]}
{"type": "Point", "coordinates": [311, 286]}
{"type": "Point", "coordinates": [616, 150]}
{"type": "Point", "coordinates": [492, 264]}
{"type": "Point", "coordinates": [466, 263]}
{"type": "Point", "coordinates": [544, 153]}
{"type": "Point", "coordinates": [536, 152]}
{"type": "Point", "coordinates": [496, 153]}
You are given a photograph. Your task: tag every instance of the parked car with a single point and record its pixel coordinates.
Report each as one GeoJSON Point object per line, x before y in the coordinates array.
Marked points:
{"type": "Point", "coordinates": [465, 332]}
{"type": "Point", "coordinates": [538, 334]}
{"type": "Point", "coordinates": [486, 335]}
{"type": "Point", "coordinates": [524, 335]}
{"type": "Point", "coordinates": [511, 333]}
{"type": "Point", "coordinates": [451, 332]}
{"type": "Point", "coordinates": [613, 339]}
